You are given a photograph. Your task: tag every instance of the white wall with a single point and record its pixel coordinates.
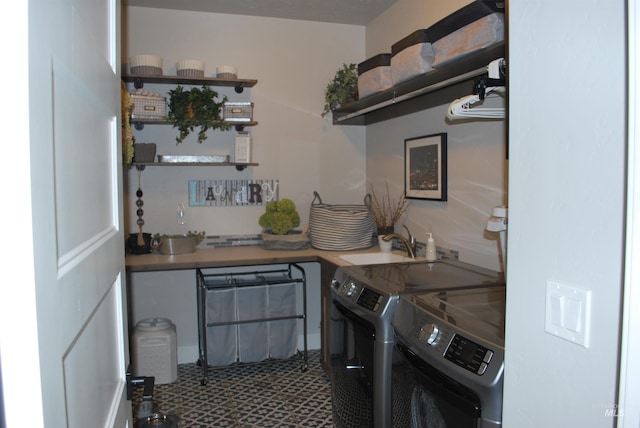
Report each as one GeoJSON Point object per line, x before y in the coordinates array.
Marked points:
{"type": "Point", "coordinates": [566, 199]}
{"type": "Point", "coordinates": [403, 18]}
{"type": "Point", "coordinates": [293, 62]}
{"type": "Point", "coordinates": [477, 167]}
{"type": "Point", "coordinates": [477, 171]}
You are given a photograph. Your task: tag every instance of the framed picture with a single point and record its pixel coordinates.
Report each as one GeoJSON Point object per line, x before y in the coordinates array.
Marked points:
{"type": "Point", "coordinates": [425, 167]}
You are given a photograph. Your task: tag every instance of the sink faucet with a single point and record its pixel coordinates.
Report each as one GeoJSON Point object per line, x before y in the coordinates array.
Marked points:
{"type": "Point", "coordinates": [409, 243]}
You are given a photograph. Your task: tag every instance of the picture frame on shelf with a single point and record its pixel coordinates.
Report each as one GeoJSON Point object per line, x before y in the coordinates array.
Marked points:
{"type": "Point", "coordinates": [425, 167]}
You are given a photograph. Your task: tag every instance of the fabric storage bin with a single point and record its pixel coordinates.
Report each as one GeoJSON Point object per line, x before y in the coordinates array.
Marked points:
{"type": "Point", "coordinates": [145, 107]}
{"type": "Point", "coordinates": [251, 306]}
{"type": "Point", "coordinates": [474, 27]}
{"type": "Point", "coordinates": [411, 56]}
{"type": "Point", "coordinates": [282, 333]}
{"type": "Point", "coordinates": [222, 341]}
{"type": "Point", "coordinates": [374, 75]}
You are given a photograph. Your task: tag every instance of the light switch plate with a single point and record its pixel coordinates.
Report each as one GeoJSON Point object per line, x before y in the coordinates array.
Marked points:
{"type": "Point", "coordinates": [568, 312]}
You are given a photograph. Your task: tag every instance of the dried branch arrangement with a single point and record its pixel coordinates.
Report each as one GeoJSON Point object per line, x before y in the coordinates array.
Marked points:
{"type": "Point", "coordinates": [385, 211]}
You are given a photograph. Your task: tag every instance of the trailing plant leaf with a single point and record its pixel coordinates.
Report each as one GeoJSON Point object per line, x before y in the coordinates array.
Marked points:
{"type": "Point", "coordinates": [342, 89]}
{"type": "Point", "coordinates": [195, 108]}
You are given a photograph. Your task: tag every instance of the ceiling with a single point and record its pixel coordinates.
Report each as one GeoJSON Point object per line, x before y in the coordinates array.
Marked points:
{"type": "Point", "coordinates": [354, 12]}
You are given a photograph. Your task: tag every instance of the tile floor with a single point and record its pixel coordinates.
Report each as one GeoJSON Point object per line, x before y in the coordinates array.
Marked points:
{"type": "Point", "coordinates": [267, 395]}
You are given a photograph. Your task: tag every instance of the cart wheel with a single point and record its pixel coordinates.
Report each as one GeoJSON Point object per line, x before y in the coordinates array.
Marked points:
{"type": "Point", "coordinates": [203, 382]}
{"type": "Point", "coordinates": [304, 368]}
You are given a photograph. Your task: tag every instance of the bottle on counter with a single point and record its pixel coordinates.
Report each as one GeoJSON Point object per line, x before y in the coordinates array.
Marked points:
{"type": "Point", "coordinates": [431, 248]}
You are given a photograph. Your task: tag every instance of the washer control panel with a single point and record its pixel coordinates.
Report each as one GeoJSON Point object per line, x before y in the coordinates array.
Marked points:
{"type": "Point", "coordinates": [469, 355]}
{"type": "Point", "coordinates": [353, 291]}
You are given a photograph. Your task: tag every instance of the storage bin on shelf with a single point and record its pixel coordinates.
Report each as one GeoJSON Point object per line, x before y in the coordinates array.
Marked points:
{"type": "Point", "coordinates": [374, 75]}
{"type": "Point", "coordinates": [148, 107]}
{"type": "Point", "coordinates": [190, 68]}
{"type": "Point", "coordinates": [411, 56]}
{"type": "Point", "coordinates": [145, 64]}
{"type": "Point", "coordinates": [226, 72]}
{"type": "Point", "coordinates": [237, 111]}
{"type": "Point", "coordinates": [476, 26]}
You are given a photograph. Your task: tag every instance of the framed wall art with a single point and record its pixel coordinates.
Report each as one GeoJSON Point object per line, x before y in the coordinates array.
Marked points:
{"type": "Point", "coordinates": [425, 167]}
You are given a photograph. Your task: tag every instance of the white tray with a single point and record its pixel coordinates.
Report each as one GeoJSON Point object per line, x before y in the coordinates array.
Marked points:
{"type": "Point", "coordinates": [193, 159]}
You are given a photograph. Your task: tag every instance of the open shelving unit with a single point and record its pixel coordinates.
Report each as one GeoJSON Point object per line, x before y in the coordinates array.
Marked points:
{"type": "Point", "coordinates": [139, 123]}
{"type": "Point", "coordinates": [437, 87]}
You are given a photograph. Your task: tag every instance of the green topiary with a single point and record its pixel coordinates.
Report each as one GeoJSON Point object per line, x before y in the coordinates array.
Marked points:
{"type": "Point", "coordinates": [280, 217]}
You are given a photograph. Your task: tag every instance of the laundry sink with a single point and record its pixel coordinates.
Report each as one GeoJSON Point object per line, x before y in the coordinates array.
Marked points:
{"type": "Point", "coordinates": [375, 258]}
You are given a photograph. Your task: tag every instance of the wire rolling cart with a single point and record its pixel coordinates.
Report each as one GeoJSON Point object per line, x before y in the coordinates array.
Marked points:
{"type": "Point", "coordinates": [205, 282]}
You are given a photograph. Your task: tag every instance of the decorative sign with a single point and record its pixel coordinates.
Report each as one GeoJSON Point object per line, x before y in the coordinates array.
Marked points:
{"type": "Point", "coordinates": [231, 193]}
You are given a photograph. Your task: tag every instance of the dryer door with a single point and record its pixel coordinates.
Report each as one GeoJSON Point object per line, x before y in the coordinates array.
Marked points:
{"type": "Point", "coordinates": [424, 397]}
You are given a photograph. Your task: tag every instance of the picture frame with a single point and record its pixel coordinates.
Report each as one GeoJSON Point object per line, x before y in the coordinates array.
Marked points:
{"type": "Point", "coordinates": [425, 167]}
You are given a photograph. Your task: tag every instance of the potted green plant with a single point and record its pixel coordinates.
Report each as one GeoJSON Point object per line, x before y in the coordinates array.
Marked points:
{"type": "Point", "coordinates": [197, 107]}
{"type": "Point", "coordinates": [342, 90]}
{"type": "Point", "coordinates": [278, 221]}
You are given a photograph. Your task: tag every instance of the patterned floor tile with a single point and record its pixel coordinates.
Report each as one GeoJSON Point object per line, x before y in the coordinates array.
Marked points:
{"type": "Point", "coordinates": [277, 394]}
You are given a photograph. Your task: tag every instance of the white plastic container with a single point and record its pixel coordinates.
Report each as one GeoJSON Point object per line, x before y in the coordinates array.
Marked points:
{"type": "Point", "coordinates": [431, 249]}
{"type": "Point", "coordinates": [155, 350]}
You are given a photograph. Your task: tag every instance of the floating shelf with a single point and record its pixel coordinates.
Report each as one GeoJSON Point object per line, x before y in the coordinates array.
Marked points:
{"type": "Point", "coordinates": [239, 84]}
{"type": "Point", "coordinates": [437, 87]}
{"type": "Point", "coordinates": [239, 166]}
{"type": "Point", "coordinates": [139, 123]}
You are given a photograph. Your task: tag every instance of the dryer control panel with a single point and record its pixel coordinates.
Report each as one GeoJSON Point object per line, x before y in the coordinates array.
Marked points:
{"type": "Point", "coordinates": [468, 354]}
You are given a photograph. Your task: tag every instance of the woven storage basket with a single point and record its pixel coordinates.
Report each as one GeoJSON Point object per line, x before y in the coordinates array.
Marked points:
{"type": "Point", "coordinates": [150, 65]}
{"type": "Point", "coordinates": [146, 70]}
{"type": "Point", "coordinates": [226, 72]}
{"type": "Point", "coordinates": [189, 72]}
{"type": "Point", "coordinates": [294, 240]}
{"type": "Point", "coordinates": [190, 68]}
{"type": "Point", "coordinates": [145, 107]}
{"type": "Point", "coordinates": [340, 227]}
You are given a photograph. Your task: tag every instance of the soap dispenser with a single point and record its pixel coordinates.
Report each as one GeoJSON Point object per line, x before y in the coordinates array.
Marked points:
{"type": "Point", "coordinates": [431, 249]}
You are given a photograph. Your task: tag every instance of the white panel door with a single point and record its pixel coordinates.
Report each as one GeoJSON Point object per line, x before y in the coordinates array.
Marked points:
{"type": "Point", "coordinates": [74, 95]}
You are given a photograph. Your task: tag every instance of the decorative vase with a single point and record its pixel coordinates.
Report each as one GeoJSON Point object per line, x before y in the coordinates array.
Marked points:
{"type": "Point", "coordinates": [385, 245]}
